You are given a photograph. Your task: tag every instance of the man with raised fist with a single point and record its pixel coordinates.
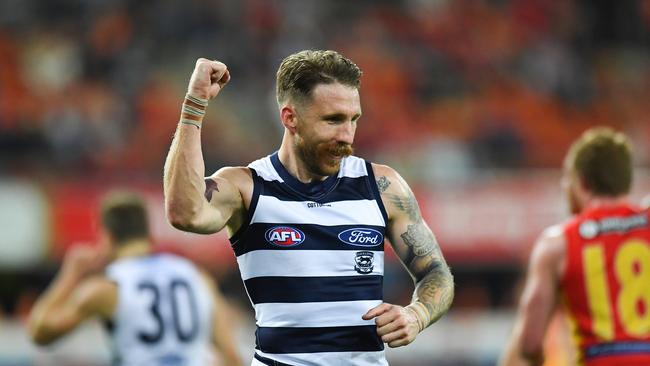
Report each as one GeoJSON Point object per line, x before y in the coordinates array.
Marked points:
{"type": "Point", "coordinates": [307, 223]}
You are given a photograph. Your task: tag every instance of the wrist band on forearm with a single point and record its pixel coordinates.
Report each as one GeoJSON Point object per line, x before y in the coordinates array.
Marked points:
{"type": "Point", "coordinates": [190, 122]}
{"type": "Point", "coordinates": [200, 101]}
{"type": "Point", "coordinates": [193, 110]}
{"type": "Point", "coordinates": [422, 314]}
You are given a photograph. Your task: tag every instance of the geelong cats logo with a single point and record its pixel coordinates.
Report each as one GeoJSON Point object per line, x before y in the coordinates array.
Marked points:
{"type": "Point", "coordinates": [363, 262]}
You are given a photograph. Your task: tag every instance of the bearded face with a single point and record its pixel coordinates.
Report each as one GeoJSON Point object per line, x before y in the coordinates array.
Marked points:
{"type": "Point", "coordinates": [321, 157]}
{"type": "Point", "coordinates": [325, 126]}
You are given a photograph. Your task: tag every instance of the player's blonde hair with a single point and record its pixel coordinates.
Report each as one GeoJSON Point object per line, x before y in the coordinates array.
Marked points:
{"type": "Point", "coordinates": [602, 157]}
{"type": "Point", "coordinates": [300, 72]}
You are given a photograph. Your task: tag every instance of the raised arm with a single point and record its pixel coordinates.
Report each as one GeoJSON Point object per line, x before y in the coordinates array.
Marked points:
{"type": "Point", "coordinates": [417, 248]}
{"type": "Point", "coordinates": [74, 296]}
{"type": "Point", "coordinates": [193, 203]}
{"type": "Point", "coordinates": [538, 301]}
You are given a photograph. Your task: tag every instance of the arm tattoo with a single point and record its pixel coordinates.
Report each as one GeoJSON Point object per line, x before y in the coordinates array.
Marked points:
{"type": "Point", "coordinates": [421, 240]}
{"type": "Point", "coordinates": [408, 205]}
{"type": "Point", "coordinates": [382, 184]}
{"type": "Point", "coordinates": [210, 186]}
{"type": "Point", "coordinates": [434, 288]}
{"type": "Point", "coordinates": [435, 291]}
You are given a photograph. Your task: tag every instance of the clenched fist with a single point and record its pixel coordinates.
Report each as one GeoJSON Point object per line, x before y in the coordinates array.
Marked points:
{"type": "Point", "coordinates": [396, 325]}
{"type": "Point", "coordinates": [208, 78]}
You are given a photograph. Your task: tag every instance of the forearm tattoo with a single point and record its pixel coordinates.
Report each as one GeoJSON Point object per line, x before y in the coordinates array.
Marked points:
{"type": "Point", "coordinates": [210, 186]}
{"type": "Point", "coordinates": [434, 290]}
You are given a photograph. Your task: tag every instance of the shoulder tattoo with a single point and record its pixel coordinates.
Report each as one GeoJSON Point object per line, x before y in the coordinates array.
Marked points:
{"type": "Point", "coordinates": [382, 184]}
{"type": "Point", "coordinates": [210, 186]}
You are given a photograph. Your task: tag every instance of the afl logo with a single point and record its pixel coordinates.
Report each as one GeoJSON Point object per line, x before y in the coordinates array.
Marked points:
{"type": "Point", "coordinates": [284, 236]}
{"type": "Point", "coordinates": [361, 237]}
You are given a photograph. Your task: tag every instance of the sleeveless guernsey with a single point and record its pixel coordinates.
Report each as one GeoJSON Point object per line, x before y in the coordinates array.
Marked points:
{"type": "Point", "coordinates": [312, 260]}
{"type": "Point", "coordinates": [606, 285]}
{"type": "Point", "coordinates": [164, 312]}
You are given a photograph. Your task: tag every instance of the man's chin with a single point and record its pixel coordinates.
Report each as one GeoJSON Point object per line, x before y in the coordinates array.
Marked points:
{"type": "Point", "coordinates": [330, 167]}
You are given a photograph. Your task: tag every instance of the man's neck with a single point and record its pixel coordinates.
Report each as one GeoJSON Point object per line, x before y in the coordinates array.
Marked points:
{"type": "Point", "coordinates": [295, 166]}
{"type": "Point", "coordinates": [604, 201]}
{"type": "Point", "coordinates": [133, 248]}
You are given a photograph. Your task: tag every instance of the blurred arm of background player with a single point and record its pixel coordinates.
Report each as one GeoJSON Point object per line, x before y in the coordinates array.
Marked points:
{"type": "Point", "coordinates": [222, 328]}
{"type": "Point", "coordinates": [417, 248]}
{"type": "Point", "coordinates": [78, 292]}
{"type": "Point", "coordinates": [193, 203]}
{"type": "Point", "coordinates": [538, 300]}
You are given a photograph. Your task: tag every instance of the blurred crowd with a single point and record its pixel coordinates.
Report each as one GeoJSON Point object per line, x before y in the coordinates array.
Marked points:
{"type": "Point", "coordinates": [93, 88]}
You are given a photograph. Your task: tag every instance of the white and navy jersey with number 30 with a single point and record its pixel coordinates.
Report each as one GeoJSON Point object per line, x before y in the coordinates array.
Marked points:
{"type": "Point", "coordinates": [164, 312]}
{"type": "Point", "coordinates": [312, 260]}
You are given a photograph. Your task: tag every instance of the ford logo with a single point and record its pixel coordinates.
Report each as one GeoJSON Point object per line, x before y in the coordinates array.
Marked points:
{"type": "Point", "coordinates": [361, 237]}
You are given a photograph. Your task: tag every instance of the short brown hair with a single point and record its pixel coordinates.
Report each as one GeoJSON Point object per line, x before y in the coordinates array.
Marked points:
{"type": "Point", "coordinates": [602, 157]}
{"type": "Point", "coordinates": [124, 216]}
{"type": "Point", "coordinates": [300, 72]}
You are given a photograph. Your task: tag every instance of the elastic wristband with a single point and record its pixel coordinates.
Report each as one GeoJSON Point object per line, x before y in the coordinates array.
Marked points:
{"type": "Point", "coordinates": [421, 314]}
{"type": "Point", "coordinates": [200, 101]}
{"type": "Point", "coordinates": [190, 122]}
{"type": "Point", "coordinates": [193, 111]}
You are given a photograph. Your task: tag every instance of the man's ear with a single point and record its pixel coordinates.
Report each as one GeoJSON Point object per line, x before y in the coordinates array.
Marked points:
{"type": "Point", "coordinates": [585, 190]}
{"type": "Point", "coordinates": [289, 117]}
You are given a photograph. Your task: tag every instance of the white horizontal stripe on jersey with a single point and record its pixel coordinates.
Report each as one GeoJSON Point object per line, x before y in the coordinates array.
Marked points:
{"type": "Point", "coordinates": [329, 358]}
{"type": "Point", "coordinates": [314, 314]}
{"type": "Point", "coordinates": [354, 212]}
{"type": "Point", "coordinates": [305, 263]}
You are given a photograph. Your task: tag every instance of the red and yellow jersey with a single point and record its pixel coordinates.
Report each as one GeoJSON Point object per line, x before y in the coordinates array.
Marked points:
{"type": "Point", "coordinates": [606, 285]}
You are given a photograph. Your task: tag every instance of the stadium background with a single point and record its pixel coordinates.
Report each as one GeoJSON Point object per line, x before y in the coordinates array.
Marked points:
{"type": "Point", "coordinates": [474, 101]}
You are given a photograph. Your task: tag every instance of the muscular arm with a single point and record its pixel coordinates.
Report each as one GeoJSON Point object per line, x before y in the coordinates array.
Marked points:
{"type": "Point", "coordinates": [538, 301]}
{"type": "Point", "coordinates": [417, 248]}
{"type": "Point", "coordinates": [190, 203]}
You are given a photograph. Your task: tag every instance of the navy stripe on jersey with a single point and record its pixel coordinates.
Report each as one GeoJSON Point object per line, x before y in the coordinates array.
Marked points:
{"type": "Point", "coordinates": [319, 238]}
{"type": "Point", "coordinates": [375, 190]}
{"type": "Point", "coordinates": [617, 348]}
{"type": "Point", "coordinates": [325, 339]}
{"type": "Point", "coordinates": [313, 190]}
{"type": "Point", "coordinates": [268, 361]}
{"type": "Point", "coordinates": [346, 189]}
{"type": "Point", "coordinates": [314, 289]}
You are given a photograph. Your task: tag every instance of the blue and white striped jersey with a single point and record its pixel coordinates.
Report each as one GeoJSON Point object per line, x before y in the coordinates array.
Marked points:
{"type": "Point", "coordinates": [164, 312]}
{"type": "Point", "coordinates": [312, 260]}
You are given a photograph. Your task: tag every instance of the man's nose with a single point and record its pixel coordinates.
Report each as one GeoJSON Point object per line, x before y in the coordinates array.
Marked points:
{"type": "Point", "coordinates": [346, 132]}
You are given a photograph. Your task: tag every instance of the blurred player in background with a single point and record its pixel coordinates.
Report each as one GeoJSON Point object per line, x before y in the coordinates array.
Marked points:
{"type": "Point", "coordinates": [159, 308]}
{"type": "Point", "coordinates": [597, 265]}
{"type": "Point", "coordinates": [307, 223]}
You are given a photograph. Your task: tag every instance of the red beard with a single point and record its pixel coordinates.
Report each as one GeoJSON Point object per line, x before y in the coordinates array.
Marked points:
{"type": "Point", "coordinates": [323, 158]}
